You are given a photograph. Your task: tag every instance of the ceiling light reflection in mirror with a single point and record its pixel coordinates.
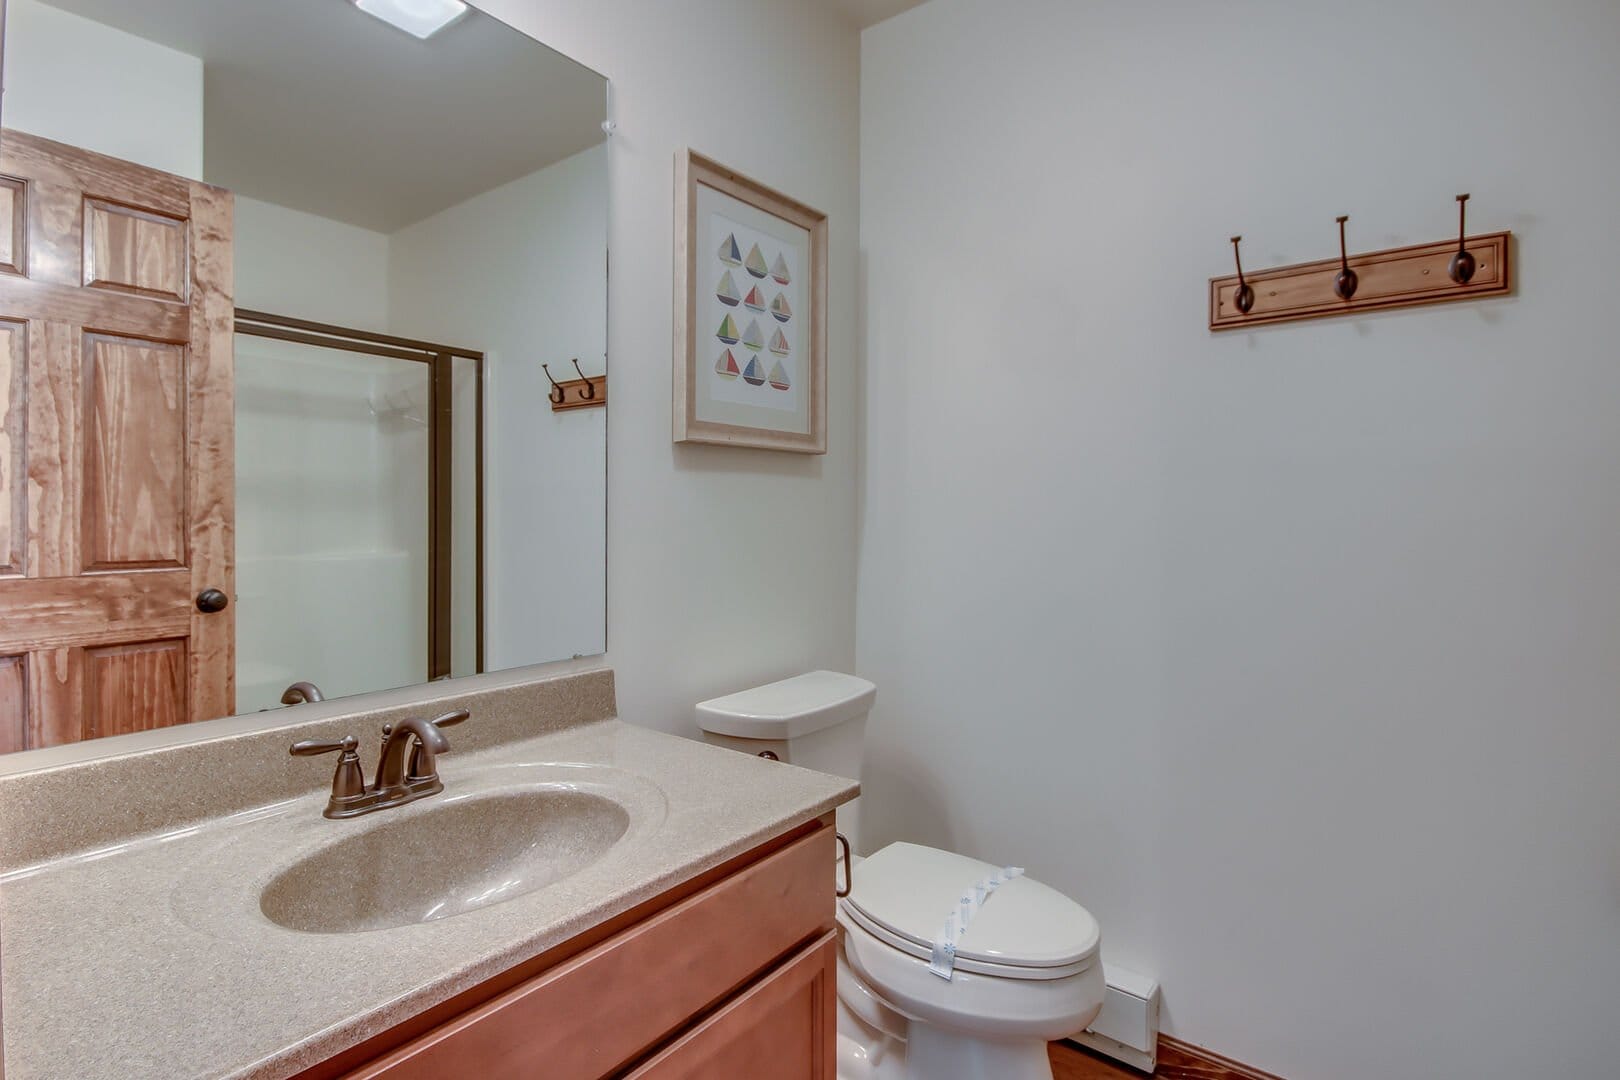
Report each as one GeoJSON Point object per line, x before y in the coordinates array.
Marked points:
{"type": "Point", "coordinates": [419, 18]}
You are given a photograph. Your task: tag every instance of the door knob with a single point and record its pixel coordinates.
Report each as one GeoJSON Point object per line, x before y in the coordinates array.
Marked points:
{"type": "Point", "coordinates": [210, 601]}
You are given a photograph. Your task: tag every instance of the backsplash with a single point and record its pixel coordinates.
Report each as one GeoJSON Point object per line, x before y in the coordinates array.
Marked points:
{"type": "Point", "coordinates": [80, 806]}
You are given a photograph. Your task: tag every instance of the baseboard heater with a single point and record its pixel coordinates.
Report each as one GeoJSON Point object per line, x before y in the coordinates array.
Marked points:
{"type": "Point", "coordinates": [1127, 1029]}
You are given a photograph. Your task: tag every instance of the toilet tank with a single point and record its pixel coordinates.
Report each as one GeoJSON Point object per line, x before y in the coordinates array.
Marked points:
{"type": "Point", "coordinates": [816, 720]}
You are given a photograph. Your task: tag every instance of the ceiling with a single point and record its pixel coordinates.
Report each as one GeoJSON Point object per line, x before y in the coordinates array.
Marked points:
{"type": "Point", "coordinates": [317, 106]}
{"type": "Point", "coordinates": [868, 12]}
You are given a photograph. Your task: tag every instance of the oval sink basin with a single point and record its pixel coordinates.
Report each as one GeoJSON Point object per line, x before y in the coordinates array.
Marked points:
{"type": "Point", "coordinates": [454, 858]}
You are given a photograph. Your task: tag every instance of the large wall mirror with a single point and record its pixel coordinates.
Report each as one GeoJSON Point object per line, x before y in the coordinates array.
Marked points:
{"type": "Point", "coordinates": [283, 288]}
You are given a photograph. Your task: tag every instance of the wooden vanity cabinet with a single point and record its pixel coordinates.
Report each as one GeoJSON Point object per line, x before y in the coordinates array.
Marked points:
{"type": "Point", "coordinates": [732, 975]}
{"type": "Point", "coordinates": [776, 1028]}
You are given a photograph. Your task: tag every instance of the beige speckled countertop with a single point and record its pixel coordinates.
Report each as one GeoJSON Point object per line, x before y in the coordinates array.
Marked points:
{"type": "Point", "coordinates": [152, 958]}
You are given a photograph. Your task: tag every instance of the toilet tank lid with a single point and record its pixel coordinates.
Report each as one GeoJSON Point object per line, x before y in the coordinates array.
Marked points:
{"type": "Point", "coordinates": [789, 708]}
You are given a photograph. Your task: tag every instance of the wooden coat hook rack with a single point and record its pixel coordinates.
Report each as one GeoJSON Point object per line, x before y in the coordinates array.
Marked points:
{"type": "Point", "coordinates": [1467, 268]}
{"type": "Point", "coordinates": [585, 392]}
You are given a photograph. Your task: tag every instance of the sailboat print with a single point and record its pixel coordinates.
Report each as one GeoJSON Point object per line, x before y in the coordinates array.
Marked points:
{"type": "Point", "coordinates": [726, 291]}
{"type": "Point", "coordinates": [754, 373]}
{"type": "Point", "coordinates": [755, 263]}
{"type": "Point", "coordinates": [726, 366]}
{"type": "Point", "coordinates": [728, 330]}
{"type": "Point", "coordinates": [730, 254]}
{"type": "Point", "coordinates": [780, 308]}
{"type": "Point", "coordinates": [779, 271]}
{"type": "Point", "coordinates": [779, 379]}
{"type": "Point", "coordinates": [754, 337]}
{"type": "Point", "coordinates": [779, 344]}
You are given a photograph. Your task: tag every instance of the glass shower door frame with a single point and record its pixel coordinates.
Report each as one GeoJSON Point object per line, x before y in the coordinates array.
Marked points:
{"type": "Point", "coordinates": [441, 456]}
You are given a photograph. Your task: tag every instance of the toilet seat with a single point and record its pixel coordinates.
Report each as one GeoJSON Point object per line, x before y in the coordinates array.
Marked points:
{"type": "Point", "coordinates": [1024, 930]}
{"type": "Point", "coordinates": [973, 1004]}
{"type": "Point", "coordinates": [854, 916]}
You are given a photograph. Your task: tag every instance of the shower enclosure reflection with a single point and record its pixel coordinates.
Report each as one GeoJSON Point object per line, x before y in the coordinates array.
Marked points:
{"type": "Point", "coordinates": [413, 226]}
{"type": "Point", "coordinates": [351, 452]}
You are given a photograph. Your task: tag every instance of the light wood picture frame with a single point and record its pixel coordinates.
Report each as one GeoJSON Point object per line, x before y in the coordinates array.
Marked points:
{"type": "Point", "coordinates": [750, 312]}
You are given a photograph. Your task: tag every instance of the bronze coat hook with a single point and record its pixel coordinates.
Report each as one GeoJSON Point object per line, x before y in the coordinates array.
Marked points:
{"type": "Point", "coordinates": [588, 391]}
{"type": "Point", "coordinates": [1463, 263]}
{"type": "Point", "coordinates": [1244, 297]}
{"type": "Point", "coordinates": [1344, 283]}
{"type": "Point", "coordinates": [557, 392]}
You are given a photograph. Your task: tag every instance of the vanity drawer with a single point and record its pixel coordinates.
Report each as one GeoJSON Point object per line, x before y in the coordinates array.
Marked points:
{"type": "Point", "coordinates": [597, 1011]}
{"type": "Point", "coordinates": [784, 1027]}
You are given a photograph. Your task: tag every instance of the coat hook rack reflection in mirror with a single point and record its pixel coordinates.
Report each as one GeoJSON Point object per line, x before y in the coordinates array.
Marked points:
{"type": "Point", "coordinates": [1466, 268]}
{"type": "Point", "coordinates": [585, 392]}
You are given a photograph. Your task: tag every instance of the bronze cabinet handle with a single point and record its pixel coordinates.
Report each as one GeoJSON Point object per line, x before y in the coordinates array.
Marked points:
{"type": "Point", "coordinates": [212, 601]}
{"type": "Point", "coordinates": [849, 872]}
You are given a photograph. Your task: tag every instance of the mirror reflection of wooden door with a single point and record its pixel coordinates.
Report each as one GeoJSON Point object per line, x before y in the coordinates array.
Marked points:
{"type": "Point", "coordinates": [116, 500]}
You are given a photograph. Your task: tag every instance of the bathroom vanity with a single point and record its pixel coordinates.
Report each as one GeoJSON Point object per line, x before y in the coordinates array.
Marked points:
{"type": "Point", "coordinates": [731, 975]}
{"type": "Point", "coordinates": [585, 898]}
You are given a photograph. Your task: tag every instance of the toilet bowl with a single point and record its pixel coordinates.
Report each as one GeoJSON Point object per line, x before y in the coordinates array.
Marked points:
{"type": "Point", "coordinates": [1026, 967]}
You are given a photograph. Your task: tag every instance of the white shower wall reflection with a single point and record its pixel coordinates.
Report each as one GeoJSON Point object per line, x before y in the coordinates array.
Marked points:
{"type": "Point", "coordinates": [520, 273]}
{"type": "Point", "coordinates": [332, 513]}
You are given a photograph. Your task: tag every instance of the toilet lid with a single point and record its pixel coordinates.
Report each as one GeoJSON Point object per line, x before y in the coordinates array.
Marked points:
{"type": "Point", "coordinates": [908, 890]}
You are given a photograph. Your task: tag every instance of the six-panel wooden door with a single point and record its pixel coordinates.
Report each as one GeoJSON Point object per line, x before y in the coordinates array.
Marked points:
{"type": "Point", "coordinates": [116, 446]}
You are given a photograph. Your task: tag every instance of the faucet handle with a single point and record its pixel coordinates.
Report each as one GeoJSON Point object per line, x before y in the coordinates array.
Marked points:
{"type": "Point", "coordinates": [348, 780]}
{"type": "Point", "coordinates": [311, 747]}
{"type": "Point", "coordinates": [424, 766]}
{"type": "Point", "coordinates": [450, 719]}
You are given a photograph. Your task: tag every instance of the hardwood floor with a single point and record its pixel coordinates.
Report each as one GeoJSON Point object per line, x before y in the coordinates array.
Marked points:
{"type": "Point", "coordinates": [1070, 1062]}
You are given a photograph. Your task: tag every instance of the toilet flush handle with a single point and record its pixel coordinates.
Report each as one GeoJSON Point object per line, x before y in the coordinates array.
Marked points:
{"type": "Point", "coordinates": [849, 873]}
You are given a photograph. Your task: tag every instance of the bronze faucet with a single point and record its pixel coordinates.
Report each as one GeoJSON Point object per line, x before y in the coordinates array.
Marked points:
{"type": "Point", "coordinates": [300, 692]}
{"type": "Point", "coordinates": [399, 779]}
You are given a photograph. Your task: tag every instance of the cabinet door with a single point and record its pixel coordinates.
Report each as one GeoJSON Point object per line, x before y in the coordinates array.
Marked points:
{"type": "Point", "coordinates": [782, 1028]}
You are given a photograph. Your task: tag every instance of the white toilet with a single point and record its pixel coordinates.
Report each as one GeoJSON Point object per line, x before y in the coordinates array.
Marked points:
{"type": "Point", "coordinates": [1026, 969]}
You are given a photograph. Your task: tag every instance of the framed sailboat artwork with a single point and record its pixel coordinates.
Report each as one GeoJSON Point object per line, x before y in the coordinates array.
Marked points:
{"type": "Point", "coordinates": [750, 312]}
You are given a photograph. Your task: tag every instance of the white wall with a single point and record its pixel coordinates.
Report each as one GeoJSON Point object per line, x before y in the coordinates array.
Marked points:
{"type": "Point", "coordinates": [292, 263]}
{"type": "Point", "coordinates": [725, 567]}
{"type": "Point", "coordinates": [1292, 653]}
{"type": "Point", "coordinates": [520, 274]}
{"type": "Point", "coordinates": [79, 82]}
